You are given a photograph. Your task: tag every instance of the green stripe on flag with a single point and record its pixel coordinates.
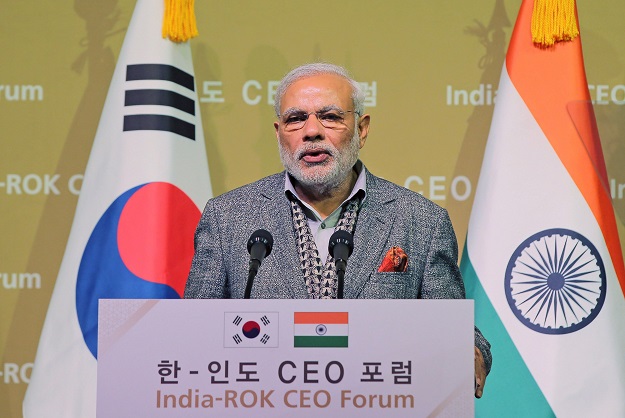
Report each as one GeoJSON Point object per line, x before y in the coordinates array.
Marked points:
{"type": "Point", "coordinates": [320, 341]}
{"type": "Point", "coordinates": [510, 390]}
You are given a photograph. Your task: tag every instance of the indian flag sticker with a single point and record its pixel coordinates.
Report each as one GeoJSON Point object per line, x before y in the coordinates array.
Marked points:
{"type": "Point", "coordinates": [320, 329]}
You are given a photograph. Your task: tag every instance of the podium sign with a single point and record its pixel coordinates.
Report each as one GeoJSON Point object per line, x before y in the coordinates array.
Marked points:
{"type": "Point", "coordinates": [285, 358]}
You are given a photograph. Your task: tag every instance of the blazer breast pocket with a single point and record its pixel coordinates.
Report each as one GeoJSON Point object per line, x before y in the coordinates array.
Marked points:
{"type": "Point", "coordinates": [387, 285]}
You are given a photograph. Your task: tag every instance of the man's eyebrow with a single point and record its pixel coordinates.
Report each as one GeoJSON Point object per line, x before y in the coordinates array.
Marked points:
{"type": "Point", "coordinates": [293, 110]}
{"type": "Point", "coordinates": [330, 107]}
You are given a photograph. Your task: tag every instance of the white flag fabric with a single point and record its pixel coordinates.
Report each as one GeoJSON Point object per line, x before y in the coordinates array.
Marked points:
{"type": "Point", "coordinates": [543, 259]}
{"type": "Point", "coordinates": [132, 235]}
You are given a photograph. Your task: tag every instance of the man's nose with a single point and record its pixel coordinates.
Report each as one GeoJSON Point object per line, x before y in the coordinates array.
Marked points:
{"type": "Point", "coordinates": [313, 129]}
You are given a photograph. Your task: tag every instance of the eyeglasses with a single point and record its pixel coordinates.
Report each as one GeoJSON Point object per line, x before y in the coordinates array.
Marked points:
{"type": "Point", "coordinates": [329, 118]}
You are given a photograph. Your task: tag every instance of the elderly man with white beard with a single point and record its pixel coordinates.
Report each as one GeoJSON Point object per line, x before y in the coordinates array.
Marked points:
{"type": "Point", "coordinates": [404, 245]}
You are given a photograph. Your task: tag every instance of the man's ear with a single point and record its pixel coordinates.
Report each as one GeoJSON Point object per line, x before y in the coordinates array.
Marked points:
{"type": "Point", "coordinates": [363, 128]}
{"type": "Point", "coordinates": [276, 126]}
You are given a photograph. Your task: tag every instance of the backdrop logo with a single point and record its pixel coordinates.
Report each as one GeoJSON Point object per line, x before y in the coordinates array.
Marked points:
{"type": "Point", "coordinates": [141, 248]}
{"type": "Point", "coordinates": [555, 282]}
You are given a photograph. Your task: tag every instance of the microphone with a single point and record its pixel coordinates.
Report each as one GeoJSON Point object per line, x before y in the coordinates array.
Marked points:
{"type": "Point", "coordinates": [340, 247]}
{"type": "Point", "coordinates": [259, 246]}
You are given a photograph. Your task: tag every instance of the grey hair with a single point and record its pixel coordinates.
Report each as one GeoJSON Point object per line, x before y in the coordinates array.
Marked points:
{"type": "Point", "coordinates": [319, 68]}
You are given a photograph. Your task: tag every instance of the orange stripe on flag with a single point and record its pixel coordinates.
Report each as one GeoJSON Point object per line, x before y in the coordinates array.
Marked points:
{"type": "Point", "coordinates": [321, 317]}
{"type": "Point", "coordinates": [552, 82]}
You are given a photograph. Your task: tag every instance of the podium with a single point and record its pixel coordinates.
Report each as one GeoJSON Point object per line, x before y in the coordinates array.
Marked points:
{"type": "Point", "coordinates": [285, 358]}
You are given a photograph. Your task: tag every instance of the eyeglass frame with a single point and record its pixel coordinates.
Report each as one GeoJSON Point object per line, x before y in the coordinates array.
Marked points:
{"type": "Point", "coordinates": [317, 113]}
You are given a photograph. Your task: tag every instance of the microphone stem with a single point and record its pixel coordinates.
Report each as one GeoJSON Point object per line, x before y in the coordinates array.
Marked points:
{"type": "Point", "coordinates": [339, 290]}
{"type": "Point", "coordinates": [254, 265]}
{"type": "Point", "coordinates": [340, 274]}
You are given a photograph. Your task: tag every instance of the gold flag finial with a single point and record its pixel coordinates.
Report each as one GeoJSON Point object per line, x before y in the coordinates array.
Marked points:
{"type": "Point", "coordinates": [179, 21]}
{"type": "Point", "coordinates": [554, 21]}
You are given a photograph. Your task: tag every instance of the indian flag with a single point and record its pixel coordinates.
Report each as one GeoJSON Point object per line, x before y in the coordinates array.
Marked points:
{"type": "Point", "coordinates": [320, 329]}
{"type": "Point", "coordinates": [543, 259]}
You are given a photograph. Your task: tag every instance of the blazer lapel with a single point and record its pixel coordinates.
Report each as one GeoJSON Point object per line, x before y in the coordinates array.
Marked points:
{"type": "Point", "coordinates": [373, 227]}
{"type": "Point", "coordinates": [280, 223]}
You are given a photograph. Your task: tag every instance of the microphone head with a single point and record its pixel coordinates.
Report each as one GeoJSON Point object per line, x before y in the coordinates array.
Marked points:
{"type": "Point", "coordinates": [261, 236]}
{"type": "Point", "coordinates": [341, 237]}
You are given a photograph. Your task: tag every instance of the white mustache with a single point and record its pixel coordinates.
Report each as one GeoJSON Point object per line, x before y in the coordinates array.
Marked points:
{"type": "Point", "coordinates": [313, 148]}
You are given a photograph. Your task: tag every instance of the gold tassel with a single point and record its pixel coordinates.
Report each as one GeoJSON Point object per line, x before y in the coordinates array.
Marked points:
{"type": "Point", "coordinates": [554, 21]}
{"type": "Point", "coordinates": [179, 21]}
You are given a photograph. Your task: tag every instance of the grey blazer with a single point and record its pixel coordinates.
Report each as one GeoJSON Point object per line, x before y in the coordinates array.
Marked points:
{"type": "Point", "coordinates": [389, 216]}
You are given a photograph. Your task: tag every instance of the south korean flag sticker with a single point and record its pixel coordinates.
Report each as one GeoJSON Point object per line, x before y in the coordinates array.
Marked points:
{"type": "Point", "coordinates": [251, 329]}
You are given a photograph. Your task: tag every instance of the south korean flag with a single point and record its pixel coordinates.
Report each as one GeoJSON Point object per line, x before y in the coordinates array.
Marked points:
{"type": "Point", "coordinates": [251, 329]}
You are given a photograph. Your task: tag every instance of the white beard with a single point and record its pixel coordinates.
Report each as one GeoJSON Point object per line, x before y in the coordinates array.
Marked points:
{"type": "Point", "coordinates": [326, 175]}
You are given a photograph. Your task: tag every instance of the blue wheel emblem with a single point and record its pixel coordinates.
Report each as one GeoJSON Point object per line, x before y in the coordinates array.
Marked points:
{"type": "Point", "coordinates": [321, 329]}
{"type": "Point", "coordinates": [555, 282]}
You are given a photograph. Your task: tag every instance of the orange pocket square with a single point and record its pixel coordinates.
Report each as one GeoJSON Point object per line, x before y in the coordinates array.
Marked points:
{"type": "Point", "coordinates": [394, 260]}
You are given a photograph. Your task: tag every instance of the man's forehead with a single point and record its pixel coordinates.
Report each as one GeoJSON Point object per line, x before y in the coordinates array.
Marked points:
{"type": "Point", "coordinates": [327, 89]}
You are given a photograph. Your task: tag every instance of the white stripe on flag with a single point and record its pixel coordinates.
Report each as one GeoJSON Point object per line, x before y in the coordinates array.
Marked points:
{"type": "Point", "coordinates": [327, 330]}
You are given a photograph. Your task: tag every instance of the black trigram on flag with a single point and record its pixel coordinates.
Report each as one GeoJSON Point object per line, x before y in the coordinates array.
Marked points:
{"type": "Point", "coordinates": [161, 93]}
